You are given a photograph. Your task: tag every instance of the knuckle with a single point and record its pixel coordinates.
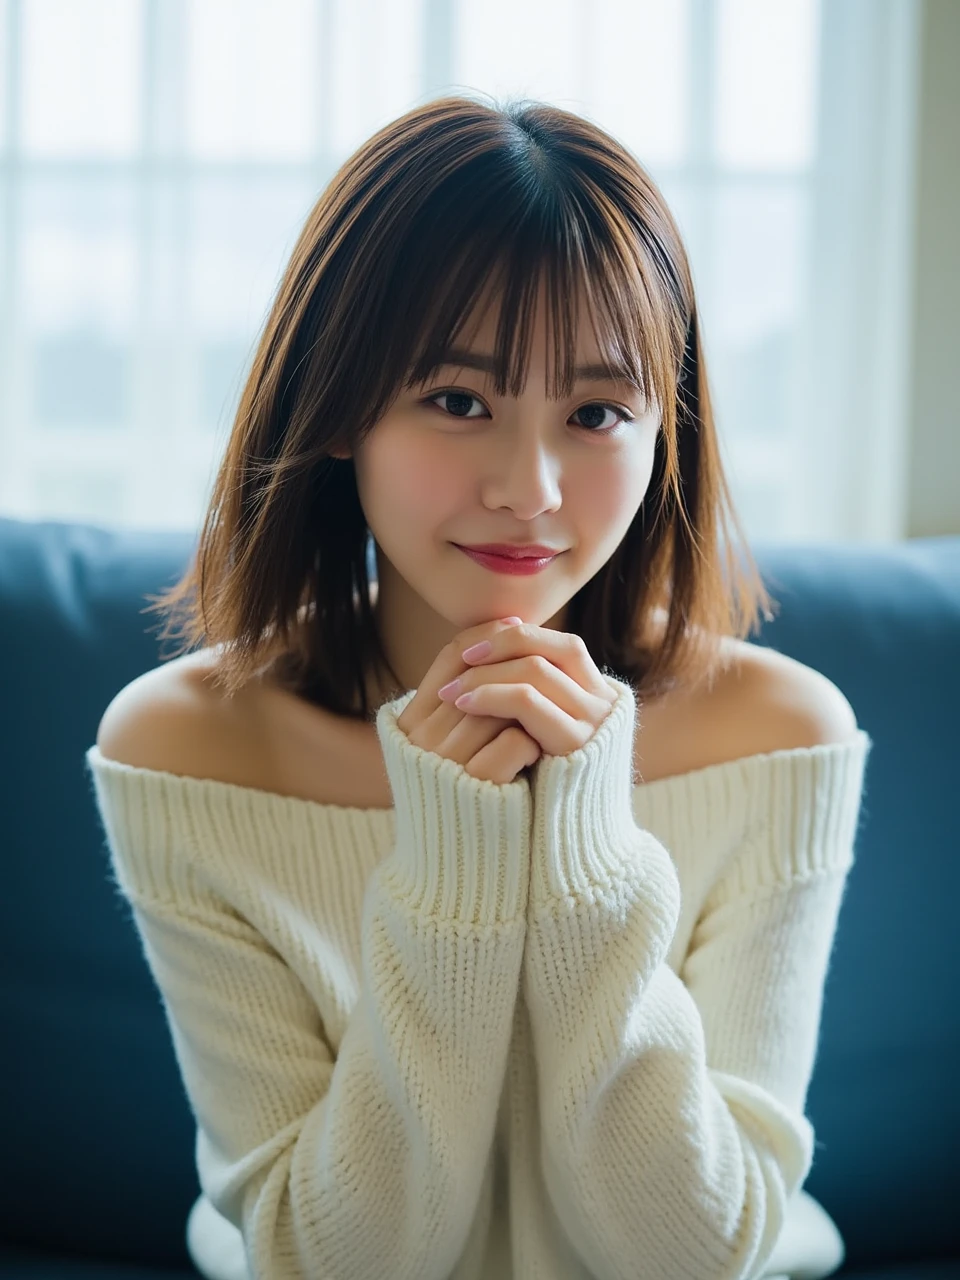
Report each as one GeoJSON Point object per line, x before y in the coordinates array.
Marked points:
{"type": "Point", "coordinates": [527, 745]}
{"type": "Point", "coordinates": [578, 644]}
{"type": "Point", "coordinates": [541, 664]}
{"type": "Point", "coordinates": [529, 695]}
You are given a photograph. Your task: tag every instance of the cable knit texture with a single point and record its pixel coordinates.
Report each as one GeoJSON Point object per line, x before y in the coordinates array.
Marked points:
{"type": "Point", "coordinates": [558, 1028]}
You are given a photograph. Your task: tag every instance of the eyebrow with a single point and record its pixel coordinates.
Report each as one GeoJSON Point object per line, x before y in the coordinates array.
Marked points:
{"type": "Point", "coordinates": [487, 364]}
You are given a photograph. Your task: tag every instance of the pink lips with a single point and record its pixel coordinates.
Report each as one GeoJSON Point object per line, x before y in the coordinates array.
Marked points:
{"type": "Point", "coordinates": [513, 551]}
{"type": "Point", "coordinates": [521, 565]}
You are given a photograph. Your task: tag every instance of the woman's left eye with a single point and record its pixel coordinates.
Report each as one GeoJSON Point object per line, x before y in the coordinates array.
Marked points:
{"type": "Point", "coordinates": [602, 407]}
{"type": "Point", "coordinates": [459, 397]}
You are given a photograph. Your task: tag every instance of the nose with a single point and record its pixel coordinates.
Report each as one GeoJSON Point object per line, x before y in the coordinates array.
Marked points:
{"type": "Point", "coordinates": [525, 477]}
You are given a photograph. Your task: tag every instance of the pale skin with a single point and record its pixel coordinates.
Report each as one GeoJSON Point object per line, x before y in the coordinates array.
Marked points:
{"type": "Point", "coordinates": [525, 469]}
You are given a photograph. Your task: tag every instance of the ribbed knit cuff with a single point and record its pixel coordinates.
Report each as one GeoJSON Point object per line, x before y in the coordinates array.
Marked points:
{"type": "Point", "coordinates": [462, 844]}
{"type": "Point", "coordinates": [584, 835]}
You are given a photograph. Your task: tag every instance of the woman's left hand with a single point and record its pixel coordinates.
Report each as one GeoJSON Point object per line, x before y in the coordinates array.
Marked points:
{"type": "Point", "coordinates": [543, 679]}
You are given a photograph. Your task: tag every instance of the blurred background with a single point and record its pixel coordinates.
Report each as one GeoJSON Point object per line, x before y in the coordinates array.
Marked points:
{"type": "Point", "coordinates": [158, 158]}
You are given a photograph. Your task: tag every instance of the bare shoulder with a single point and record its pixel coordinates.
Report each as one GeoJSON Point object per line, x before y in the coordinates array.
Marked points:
{"type": "Point", "coordinates": [759, 701]}
{"type": "Point", "coordinates": [172, 719]}
{"type": "Point", "coordinates": [767, 701]}
{"type": "Point", "coordinates": [175, 719]}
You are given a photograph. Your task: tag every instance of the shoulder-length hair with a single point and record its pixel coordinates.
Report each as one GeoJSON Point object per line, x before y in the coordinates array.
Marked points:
{"type": "Point", "coordinates": [390, 263]}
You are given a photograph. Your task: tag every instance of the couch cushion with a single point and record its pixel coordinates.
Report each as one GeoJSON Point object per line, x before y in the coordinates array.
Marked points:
{"type": "Point", "coordinates": [884, 624]}
{"type": "Point", "coordinates": [25, 1264]}
{"type": "Point", "coordinates": [944, 1270]}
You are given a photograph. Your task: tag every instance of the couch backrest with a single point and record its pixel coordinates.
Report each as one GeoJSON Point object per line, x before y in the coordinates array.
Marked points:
{"type": "Point", "coordinates": [98, 1150]}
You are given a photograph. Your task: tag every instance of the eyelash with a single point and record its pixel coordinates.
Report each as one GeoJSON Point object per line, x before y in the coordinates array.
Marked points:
{"type": "Point", "coordinates": [592, 431]}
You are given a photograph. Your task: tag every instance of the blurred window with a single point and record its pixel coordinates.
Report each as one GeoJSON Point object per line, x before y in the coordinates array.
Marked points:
{"type": "Point", "coordinates": [158, 161]}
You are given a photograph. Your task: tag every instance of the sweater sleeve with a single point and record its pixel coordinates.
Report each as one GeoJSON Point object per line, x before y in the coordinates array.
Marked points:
{"type": "Point", "coordinates": [672, 1106]}
{"type": "Point", "coordinates": [370, 1162]}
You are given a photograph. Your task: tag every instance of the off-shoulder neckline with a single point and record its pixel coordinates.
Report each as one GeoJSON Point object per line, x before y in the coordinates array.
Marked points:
{"type": "Point", "coordinates": [94, 756]}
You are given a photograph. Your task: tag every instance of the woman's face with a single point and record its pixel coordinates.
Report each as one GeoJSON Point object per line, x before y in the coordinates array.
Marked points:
{"type": "Point", "coordinates": [450, 462]}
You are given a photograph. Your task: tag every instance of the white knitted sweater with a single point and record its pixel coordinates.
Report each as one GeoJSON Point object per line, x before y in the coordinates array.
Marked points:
{"type": "Point", "coordinates": [555, 1028]}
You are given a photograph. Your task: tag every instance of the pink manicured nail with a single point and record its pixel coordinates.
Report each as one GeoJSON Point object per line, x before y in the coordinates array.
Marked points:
{"type": "Point", "coordinates": [477, 651]}
{"type": "Point", "coordinates": [448, 690]}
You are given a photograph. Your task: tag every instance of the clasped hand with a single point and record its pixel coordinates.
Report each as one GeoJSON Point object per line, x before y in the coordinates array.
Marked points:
{"type": "Point", "coordinates": [531, 691]}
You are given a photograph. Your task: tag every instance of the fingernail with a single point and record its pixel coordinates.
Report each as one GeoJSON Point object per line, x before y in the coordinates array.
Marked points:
{"type": "Point", "coordinates": [448, 690]}
{"type": "Point", "coordinates": [515, 621]}
{"type": "Point", "coordinates": [477, 651]}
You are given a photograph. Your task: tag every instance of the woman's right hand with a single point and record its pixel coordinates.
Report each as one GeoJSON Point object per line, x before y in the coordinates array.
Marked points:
{"type": "Point", "coordinates": [488, 747]}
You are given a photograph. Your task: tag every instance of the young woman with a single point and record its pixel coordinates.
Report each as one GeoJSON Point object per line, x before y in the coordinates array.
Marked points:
{"type": "Point", "coordinates": [527, 983]}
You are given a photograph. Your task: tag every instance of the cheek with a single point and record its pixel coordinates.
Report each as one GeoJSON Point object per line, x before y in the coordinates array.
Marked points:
{"type": "Point", "coordinates": [412, 483]}
{"type": "Point", "coordinates": [612, 494]}
{"type": "Point", "coordinates": [632, 480]}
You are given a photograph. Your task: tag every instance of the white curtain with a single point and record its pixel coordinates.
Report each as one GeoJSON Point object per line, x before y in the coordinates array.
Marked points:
{"type": "Point", "coordinates": [158, 157]}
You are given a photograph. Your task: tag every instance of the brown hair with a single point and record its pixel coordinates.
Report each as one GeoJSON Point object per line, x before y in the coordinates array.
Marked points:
{"type": "Point", "coordinates": [392, 258]}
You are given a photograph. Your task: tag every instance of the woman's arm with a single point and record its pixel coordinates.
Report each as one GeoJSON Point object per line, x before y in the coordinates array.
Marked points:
{"type": "Point", "coordinates": [367, 1162]}
{"type": "Point", "coordinates": [671, 1105]}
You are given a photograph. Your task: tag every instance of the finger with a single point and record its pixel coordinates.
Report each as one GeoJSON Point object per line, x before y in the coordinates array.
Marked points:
{"type": "Point", "coordinates": [448, 664]}
{"type": "Point", "coordinates": [535, 670]}
{"type": "Point", "coordinates": [468, 736]}
{"type": "Point", "coordinates": [567, 651]}
{"type": "Point", "coordinates": [502, 760]}
{"type": "Point", "coordinates": [556, 733]}
{"type": "Point", "coordinates": [453, 733]}
{"type": "Point", "coordinates": [451, 662]}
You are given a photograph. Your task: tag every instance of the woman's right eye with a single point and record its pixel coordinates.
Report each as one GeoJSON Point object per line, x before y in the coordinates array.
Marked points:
{"type": "Point", "coordinates": [458, 400]}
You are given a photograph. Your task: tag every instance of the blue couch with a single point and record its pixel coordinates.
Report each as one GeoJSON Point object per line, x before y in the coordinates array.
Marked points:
{"type": "Point", "coordinates": [97, 1146]}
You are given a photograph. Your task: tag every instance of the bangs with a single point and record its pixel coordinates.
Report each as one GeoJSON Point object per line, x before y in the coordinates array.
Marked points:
{"type": "Point", "coordinates": [575, 263]}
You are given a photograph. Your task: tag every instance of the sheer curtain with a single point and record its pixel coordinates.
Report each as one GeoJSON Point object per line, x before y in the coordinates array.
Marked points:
{"type": "Point", "coordinates": [158, 158]}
